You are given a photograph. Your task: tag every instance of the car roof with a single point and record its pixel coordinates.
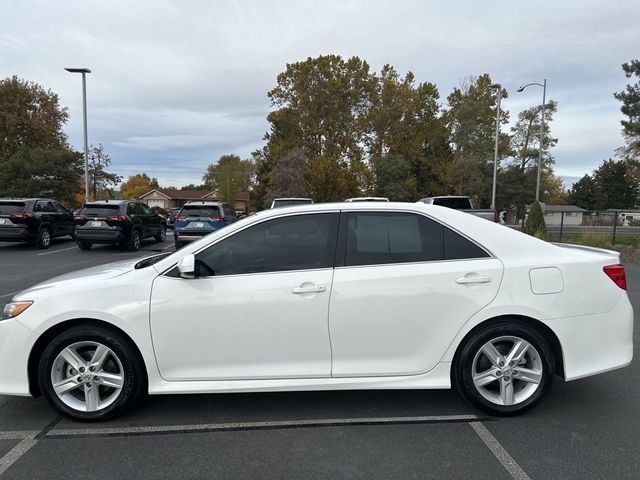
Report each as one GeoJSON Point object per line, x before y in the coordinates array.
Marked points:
{"type": "Point", "coordinates": [20, 199]}
{"type": "Point", "coordinates": [291, 198]}
{"type": "Point", "coordinates": [205, 203]}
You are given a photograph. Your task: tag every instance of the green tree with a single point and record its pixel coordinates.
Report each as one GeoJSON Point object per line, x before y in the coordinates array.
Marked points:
{"type": "Point", "coordinates": [30, 117]}
{"type": "Point", "coordinates": [193, 186]}
{"type": "Point", "coordinates": [535, 225]}
{"type": "Point", "coordinates": [287, 178]}
{"type": "Point", "coordinates": [585, 193]}
{"type": "Point", "coordinates": [35, 172]}
{"type": "Point", "coordinates": [394, 179]}
{"type": "Point", "coordinates": [630, 98]}
{"type": "Point", "coordinates": [229, 176]}
{"type": "Point", "coordinates": [525, 137]}
{"type": "Point", "coordinates": [137, 185]}
{"type": "Point", "coordinates": [101, 182]}
{"type": "Point", "coordinates": [616, 182]}
{"type": "Point", "coordinates": [471, 119]}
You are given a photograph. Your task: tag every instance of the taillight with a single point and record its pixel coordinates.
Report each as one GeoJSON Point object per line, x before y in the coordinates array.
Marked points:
{"type": "Point", "coordinates": [79, 217]}
{"type": "Point", "coordinates": [616, 273]}
{"type": "Point", "coordinates": [117, 218]}
{"type": "Point", "coordinates": [180, 218]}
{"type": "Point", "coordinates": [216, 218]}
{"type": "Point", "coordinates": [22, 215]}
{"type": "Point", "coordinates": [496, 216]}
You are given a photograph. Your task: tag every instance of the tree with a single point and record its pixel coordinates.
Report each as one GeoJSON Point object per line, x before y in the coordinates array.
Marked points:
{"type": "Point", "coordinates": [36, 172]}
{"type": "Point", "coordinates": [229, 176]}
{"type": "Point", "coordinates": [192, 186]}
{"type": "Point", "coordinates": [471, 119]}
{"type": "Point", "coordinates": [525, 136]}
{"type": "Point", "coordinates": [617, 184]}
{"type": "Point", "coordinates": [101, 181]}
{"type": "Point", "coordinates": [630, 99]}
{"type": "Point", "coordinates": [394, 179]}
{"type": "Point", "coordinates": [137, 185]}
{"type": "Point", "coordinates": [585, 193]}
{"type": "Point", "coordinates": [287, 178]}
{"type": "Point", "coordinates": [30, 117]}
{"type": "Point", "coordinates": [535, 225]}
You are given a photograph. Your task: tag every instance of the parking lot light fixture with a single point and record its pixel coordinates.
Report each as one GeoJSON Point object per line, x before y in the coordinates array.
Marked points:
{"type": "Point", "coordinates": [498, 88]}
{"type": "Point", "coordinates": [83, 72]}
{"type": "Point", "coordinates": [544, 99]}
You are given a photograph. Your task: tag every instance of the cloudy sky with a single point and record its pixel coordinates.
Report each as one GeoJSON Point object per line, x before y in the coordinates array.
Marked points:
{"type": "Point", "coordinates": [176, 84]}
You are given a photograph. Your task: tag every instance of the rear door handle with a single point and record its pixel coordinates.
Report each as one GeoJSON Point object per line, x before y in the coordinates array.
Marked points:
{"type": "Point", "coordinates": [474, 279]}
{"type": "Point", "coordinates": [309, 289]}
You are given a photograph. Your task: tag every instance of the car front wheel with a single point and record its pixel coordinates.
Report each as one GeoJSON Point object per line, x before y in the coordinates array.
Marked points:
{"type": "Point", "coordinates": [44, 238]}
{"type": "Point", "coordinates": [505, 368]}
{"type": "Point", "coordinates": [90, 373]}
{"type": "Point", "coordinates": [135, 241]}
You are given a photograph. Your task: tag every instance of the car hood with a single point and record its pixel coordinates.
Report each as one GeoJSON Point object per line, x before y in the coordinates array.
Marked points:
{"type": "Point", "coordinates": [84, 277]}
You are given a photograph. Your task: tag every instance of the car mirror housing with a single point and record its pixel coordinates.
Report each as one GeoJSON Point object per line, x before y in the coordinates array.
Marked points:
{"type": "Point", "coordinates": [187, 266]}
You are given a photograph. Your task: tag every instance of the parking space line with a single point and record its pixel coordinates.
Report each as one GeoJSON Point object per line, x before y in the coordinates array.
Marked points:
{"type": "Point", "coordinates": [516, 472]}
{"type": "Point", "coordinates": [17, 452]}
{"type": "Point", "coordinates": [18, 434]}
{"type": "Point", "coordinates": [284, 424]}
{"type": "Point", "coordinates": [56, 251]}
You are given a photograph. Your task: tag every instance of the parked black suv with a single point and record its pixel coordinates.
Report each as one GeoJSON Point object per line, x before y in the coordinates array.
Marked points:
{"type": "Point", "coordinates": [124, 223]}
{"type": "Point", "coordinates": [34, 220]}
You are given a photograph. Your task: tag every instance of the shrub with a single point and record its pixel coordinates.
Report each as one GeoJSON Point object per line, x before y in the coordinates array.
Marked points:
{"type": "Point", "coordinates": [535, 225]}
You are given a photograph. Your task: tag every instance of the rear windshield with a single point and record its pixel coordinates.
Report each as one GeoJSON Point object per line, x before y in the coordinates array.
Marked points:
{"type": "Point", "coordinates": [456, 203]}
{"type": "Point", "coordinates": [286, 203]}
{"type": "Point", "coordinates": [99, 210]}
{"type": "Point", "coordinates": [199, 211]}
{"type": "Point", "coordinates": [11, 207]}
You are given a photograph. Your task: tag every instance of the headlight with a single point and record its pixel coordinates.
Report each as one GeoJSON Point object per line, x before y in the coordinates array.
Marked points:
{"type": "Point", "coordinates": [13, 309]}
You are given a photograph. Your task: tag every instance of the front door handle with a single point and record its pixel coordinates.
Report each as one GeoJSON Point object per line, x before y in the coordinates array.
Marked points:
{"type": "Point", "coordinates": [474, 279]}
{"type": "Point", "coordinates": [308, 289]}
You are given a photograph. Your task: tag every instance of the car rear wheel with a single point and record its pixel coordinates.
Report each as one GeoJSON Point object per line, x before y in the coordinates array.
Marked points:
{"type": "Point", "coordinates": [91, 373]}
{"type": "Point", "coordinates": [84, 245]}
{"type": "Point", "coordinates": [135, 241]}
{"type": "Point", "coordinates": [44, 238]}
{"type": "Point", "coordinates": [162, 235]}
{"type": "Point", "coordinates": [504, 369]}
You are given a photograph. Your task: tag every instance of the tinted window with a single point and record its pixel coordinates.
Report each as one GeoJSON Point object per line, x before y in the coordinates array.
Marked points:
{"type": "Point", "coordinates": [292, 243]}
{"type": "Point", "coordinates": [200, 211]}
{"type": "Point", "coordinates": [145, 209]}
{"type": "Point", "coordinates": [457, 247]}
{"type": "Point", "coordinates": [378, 238]}
{"type": "Point", "coordinates": [11, 207]}
{"type": "Point", "coordinates": [287, 203]}
{"type": "Point", "coordinates": [386, 237]}
{"type": "Point", "coordinates": [60, 208]}
{"type": "Point", "coordinates": [457, 203]}
{"type": "Point", "coordinates": [99, 210]}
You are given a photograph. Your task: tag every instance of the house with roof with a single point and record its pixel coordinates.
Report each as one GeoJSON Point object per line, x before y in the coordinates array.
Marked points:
{"type": "Point", "coordinates": [167, 198]}
{"type": "Point", "coordinates": [563, 214]}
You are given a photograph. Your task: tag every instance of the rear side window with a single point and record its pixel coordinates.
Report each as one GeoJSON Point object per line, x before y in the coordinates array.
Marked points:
{"type": "Point", "coordinates": [7, 208]}
{"type": "Point", "coordinates": [44, 206]}
{"type": "Point", "coordinates": [455, 203]}
{"type": "Point", "coordinates": [99, 210]}
{"type": "Point", "coordinates": [299, 242]}
{"type": "Point", "coordinates": [200, 211]}
{"type": "Point", "coordinates": [390, 237]}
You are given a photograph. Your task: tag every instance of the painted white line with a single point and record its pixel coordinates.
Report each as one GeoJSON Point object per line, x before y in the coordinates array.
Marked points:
{"type": "Point", "coordinates": [56, 251]}
{"type": "Point", "coordinates": [498, 450]}
{"type": "Point", "coordinates": [16, 453]}
{"type": "Point", "coordinates": [18, 434]}
{"type": "Point", "coordinates": [258, 425]}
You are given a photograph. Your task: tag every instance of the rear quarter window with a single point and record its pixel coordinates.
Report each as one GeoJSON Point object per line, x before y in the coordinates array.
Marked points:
{"type": "Point", "coordinates": [7, 208]}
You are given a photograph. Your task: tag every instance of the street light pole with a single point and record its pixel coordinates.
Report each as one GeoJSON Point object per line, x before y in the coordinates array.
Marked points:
{"type": "Point", "coordinates": [544, 100]}
{"type": "Point", "coordinates": [84, 71]}
{"type": "Point", "coordinates": [498, 88]}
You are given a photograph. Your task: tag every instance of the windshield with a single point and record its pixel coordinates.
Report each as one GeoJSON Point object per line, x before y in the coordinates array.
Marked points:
{"type": "Point", "coordinates": [11, 207]}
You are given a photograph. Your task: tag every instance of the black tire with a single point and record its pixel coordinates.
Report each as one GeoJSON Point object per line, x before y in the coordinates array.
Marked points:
{"type": "Point", "coordinates": [162, 235]}
{"type": "Point", "coordinates": [84, 245]}
{"type": "Point", "coordinates": [44, 238]}
{"type": "Point", "coordinates": [133, 371]}
{"type": "Point", "coordinates": [135, 241]}
{"type": "Point", "coordinates": [462, 375]}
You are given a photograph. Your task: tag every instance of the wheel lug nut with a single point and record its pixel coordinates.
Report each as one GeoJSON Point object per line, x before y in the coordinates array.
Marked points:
{"type": "Point", "coordinates": [73, 371]}
{"type": "Point", "coordinates": [81, 369]}
{"type": "Point", "coordinates": [96, 379]}
{"type": "Point", "coordinates": [507, 379]}
{"type": "Point", "coordinates": [511, 364]}
{"type": "Point", "coordinates": [501, 363]}
{"type": "Point", "coordinates": [92, 369]}
{"type": "Point", "coordinates": [79, 379]}
{"type": "Point", "coordinates": [498, 373]}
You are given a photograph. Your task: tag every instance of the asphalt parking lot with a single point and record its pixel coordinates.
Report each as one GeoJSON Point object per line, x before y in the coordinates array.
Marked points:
{"type": "Point", "coordinates": [583, 429]}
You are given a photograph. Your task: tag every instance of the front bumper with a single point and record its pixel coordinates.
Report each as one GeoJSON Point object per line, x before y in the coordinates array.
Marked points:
{"type": "Point", "coordinates": [16, 342]}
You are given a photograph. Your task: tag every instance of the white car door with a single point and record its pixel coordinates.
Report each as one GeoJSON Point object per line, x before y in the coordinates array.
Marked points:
{"type": "Point", "coordinates": [257, 309]}
{"type": "Point", "coordinates": [406, 286]}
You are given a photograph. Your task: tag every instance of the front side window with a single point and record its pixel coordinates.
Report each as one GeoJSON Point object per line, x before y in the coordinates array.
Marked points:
{"type": "Point", "coordinates": [375, 238]}
{"type": "Point", "coordinates": [300, 242]}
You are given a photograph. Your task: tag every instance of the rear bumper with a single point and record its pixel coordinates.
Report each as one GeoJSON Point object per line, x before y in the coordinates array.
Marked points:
{"type": "Point", "coordinates": [16, 342]}
{"type": "Point", "coordinates": [188, 237]}
{"type": "Point", "coordinates": [593, 344]}
{"type": "Point", "coordinates": [15, 234]}
{"type": "Point", "coordinates": [100, 236]}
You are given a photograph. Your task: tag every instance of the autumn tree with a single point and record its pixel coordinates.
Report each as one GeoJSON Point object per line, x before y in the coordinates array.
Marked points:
{"type": "Point", "coordinates": [101, 182]}
{"type": "Point", "coordinates": [229, 176]}
{"type": "Point", "coordinates": [30, 117]}
{"type": "Point", "coordinates": [630, 98]}
{"type": "Point", "coordinates": [287, 178]}
{"type": "Point", "coordinates": [137, 185]}
{"type": "Point", "coordinates": [37, 172]}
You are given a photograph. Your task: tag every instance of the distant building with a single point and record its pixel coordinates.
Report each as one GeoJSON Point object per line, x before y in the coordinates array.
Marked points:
{"type": "Point", "coordinates": [553, 214]}
{"type": "Point", "coordinates": [167, 198]}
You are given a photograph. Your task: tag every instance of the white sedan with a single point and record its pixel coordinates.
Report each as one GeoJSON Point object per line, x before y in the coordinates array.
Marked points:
{"type": "Point", "coordinates": [319, 297]}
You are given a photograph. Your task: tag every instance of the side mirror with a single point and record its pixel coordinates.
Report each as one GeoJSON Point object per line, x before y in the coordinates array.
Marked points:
{"type": "Point", "coordinates": [187, 266]}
